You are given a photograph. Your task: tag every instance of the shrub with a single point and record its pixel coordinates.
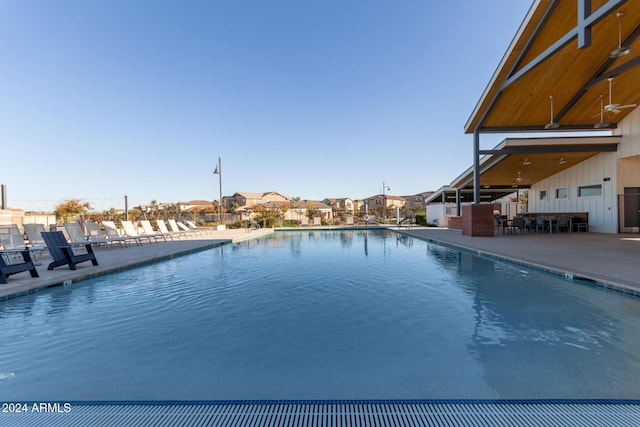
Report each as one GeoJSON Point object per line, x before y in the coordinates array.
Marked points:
{"type": "Point", "coordinates": [421, 218]}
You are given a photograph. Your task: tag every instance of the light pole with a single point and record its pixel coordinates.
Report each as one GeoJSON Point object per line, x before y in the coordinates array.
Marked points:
{"type": "Point", "coordinates": [218, 171]}
{"type": "Point", "coordinates": [384, 199]}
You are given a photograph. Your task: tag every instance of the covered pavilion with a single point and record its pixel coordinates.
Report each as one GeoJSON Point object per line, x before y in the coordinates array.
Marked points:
{"type": "Point", "coordinates": [571, 67]}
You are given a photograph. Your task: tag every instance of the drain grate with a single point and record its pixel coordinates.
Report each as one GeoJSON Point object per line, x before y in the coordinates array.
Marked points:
{"type": "Point", "coordinates": [417, 413]}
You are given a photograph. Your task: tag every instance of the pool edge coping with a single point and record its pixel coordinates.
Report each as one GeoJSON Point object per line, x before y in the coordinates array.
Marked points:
{"type": "Point", "coordinates": [564, 273]}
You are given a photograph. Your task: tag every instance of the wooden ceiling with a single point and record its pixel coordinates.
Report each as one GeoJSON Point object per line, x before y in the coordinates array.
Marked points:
{"type": "Point", "coordinates": [539, 65]}
{"type": "Point", "coordinates": [539, 167]}
{"type": "Point", "coordinates": [533, 160]}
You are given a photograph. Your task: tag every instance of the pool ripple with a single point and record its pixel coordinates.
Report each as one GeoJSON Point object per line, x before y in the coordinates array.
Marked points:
{"type": "Point", "coordinates": [322, 315]}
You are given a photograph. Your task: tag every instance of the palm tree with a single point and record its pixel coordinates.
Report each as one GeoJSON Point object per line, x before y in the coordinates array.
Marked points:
{"type": "Point", "coordinates": [154, 209]}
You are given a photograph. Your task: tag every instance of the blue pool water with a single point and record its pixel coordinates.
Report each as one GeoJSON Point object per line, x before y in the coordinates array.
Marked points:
{"type": "Point", "coordinates": [322, 315]}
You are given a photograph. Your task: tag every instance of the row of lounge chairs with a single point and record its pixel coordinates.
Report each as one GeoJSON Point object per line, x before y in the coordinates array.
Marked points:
{"type": "Point", "coordinates": [62, 253]}
{"type": "Point", "coordinates": [18, 255]}
{"type": "Point", "coordinates": [129, 233]}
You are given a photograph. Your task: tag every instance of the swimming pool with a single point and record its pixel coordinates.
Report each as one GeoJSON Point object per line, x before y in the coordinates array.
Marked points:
{"type": "Point", "coordinates": [322, 315]}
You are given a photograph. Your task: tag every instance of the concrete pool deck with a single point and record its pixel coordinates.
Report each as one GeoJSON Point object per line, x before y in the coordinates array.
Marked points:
{"type": "Point", "coordinates": [117, 259]}
{"type": "Point", "coordinates": [612, 260]}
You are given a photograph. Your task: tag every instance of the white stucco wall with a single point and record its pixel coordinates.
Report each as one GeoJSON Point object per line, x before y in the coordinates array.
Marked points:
{"type": "Point", "coordinates": [435, 212]}
{"type": "Point", "coordinates": [439, 213]}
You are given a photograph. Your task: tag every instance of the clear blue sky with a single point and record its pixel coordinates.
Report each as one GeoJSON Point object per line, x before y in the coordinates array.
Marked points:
{"type": "Point", "coordinates": [324, 98]}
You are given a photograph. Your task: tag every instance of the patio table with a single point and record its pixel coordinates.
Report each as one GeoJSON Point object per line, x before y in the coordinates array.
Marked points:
{"type": "Point", "coordinates": [551, 220]}
{"type": "Point", "coordinates": [504, 224]}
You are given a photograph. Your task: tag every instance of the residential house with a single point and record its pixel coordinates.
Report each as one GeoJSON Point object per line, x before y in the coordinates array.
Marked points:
{"type": "Point", "coordinates": [149, 209]}
{"type": "Point", "coordinates": [294, 211]}
{"type": "Point", "coordinates": [244, 201]}
{"type": "Point", "coordinates": [197, 205]}
{"type": "Point", "coordinates": [340, 206]}
{"type": "Point", "coordinates": [417, 202]}
{"type": "Point", "coordinates": [384, 201]}
{"type": "Point", "coordinates": [381, 205]}
{"type": "Point", "coordinates": [358, 205]}
{"type": "Point", "coordinates": [301, 208]}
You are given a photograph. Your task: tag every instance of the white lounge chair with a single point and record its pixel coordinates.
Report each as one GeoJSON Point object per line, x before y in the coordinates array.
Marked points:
{"type": "Point", "coordinates": [95, 235]}
{"type": "Point", "coordinates": [12, 241]}
{"type": "Point", "coordinates": [149, 232]}
{"type": "Point", "coordinates": [186, 229]}
{"type": "Point", "coordinates": [192, 225]}
{"type": "Point", "coordinates": [76, 236]}
{"type": "Point", "coordinates": [176, 229]}
{"type": "Point", "coordinates": [75, 233]}
{"type": "Point", "coordinates": [11, 238]}
{"type": "Point", "coordinates": [34, 236]}
{"type": "Point", "coordinates": [113, 233]}
{"type": "Point", "coordinates": [163, 229]}
{"type": "Point", "coordinates": [131, 232]}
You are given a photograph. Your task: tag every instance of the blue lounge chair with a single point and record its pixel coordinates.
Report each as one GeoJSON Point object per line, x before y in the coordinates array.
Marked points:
{"type": "Point", "coordinates": [7, 269]}
{"type": "Point", "coordinates": [62, 252]}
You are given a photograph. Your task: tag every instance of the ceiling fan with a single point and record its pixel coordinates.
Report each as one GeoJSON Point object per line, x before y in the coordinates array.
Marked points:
{"type": "Point", "coordinates": [601, 124]}
{"type": "Point", "coordinates": [620, 50]}
{"type": "Point", "coordinates": [615, 108]}
{"type": "Point", "coordinates": [519, 179]}
{"type": "Point", "coordinates": [552, 124]}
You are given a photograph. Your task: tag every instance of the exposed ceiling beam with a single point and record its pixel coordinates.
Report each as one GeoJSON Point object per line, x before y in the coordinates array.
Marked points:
{"type": "Point", "coordinates": [591, 148]}
{"type": "Point", "coordinates": [583, 24]}
{"type": "Point", "coordinates": [601, 75]}
{"type": "Point", "coordinates": [541, 129]}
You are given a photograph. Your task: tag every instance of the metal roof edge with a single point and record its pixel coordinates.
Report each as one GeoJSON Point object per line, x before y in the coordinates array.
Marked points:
{"type": "Point", "coordinates": [561, 140]}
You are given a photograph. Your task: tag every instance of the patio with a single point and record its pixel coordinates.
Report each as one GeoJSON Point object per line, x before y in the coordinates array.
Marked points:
{"type": "Point", "coordinates": [607, 259]}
